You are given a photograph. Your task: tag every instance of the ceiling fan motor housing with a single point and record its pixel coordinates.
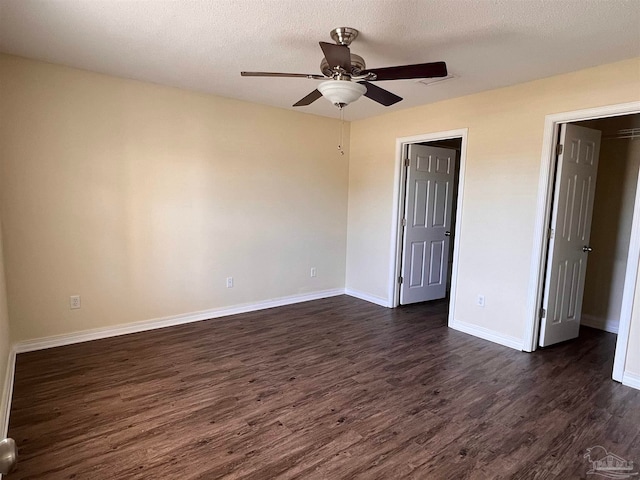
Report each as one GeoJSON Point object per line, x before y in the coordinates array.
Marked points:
{"type": "Point", "coordinates": [357, 66]}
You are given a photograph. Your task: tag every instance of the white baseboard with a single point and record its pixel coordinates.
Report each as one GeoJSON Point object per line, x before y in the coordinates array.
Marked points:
{"type": "Point", "coordinates": [106, 332]}
{"type": "Point", "coordinates": [606, 324]}
{"type": "Point", "coordinates": [383, 302]}
{"type": "Point", "coordinates": [631, 380]}
{"type": "Point", "coordinates": [7, 393]}
{"type": "Point", "coordinates": [486, 334]}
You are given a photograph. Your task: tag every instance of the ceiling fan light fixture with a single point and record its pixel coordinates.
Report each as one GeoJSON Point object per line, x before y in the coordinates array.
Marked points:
{"type": "Point", "coordinates": [341, 92]}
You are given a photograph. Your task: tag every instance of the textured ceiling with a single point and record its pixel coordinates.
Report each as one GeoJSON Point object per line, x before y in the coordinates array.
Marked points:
{"type": "Point", "coordinates": [203, 45]}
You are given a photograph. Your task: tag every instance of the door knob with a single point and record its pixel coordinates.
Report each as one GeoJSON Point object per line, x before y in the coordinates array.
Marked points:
{"type": "Point", "coordinates": [447, 233]}
{"type": "Point", "coordinates": [8, 456]}
{"type": "Point", "coordinates": [587, 249]}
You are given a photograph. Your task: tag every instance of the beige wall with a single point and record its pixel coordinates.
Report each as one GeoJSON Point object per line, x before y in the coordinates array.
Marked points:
{"type": "Point", "coordinates": [611, 231]}
{"type": "Point", "coordinates": [500, 186]}
{"type": "Point", "coordinates": [143, 199]}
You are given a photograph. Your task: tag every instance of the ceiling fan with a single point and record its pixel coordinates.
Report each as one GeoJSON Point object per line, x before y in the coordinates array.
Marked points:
{"type": "Point", "coordinates": [349, 77]}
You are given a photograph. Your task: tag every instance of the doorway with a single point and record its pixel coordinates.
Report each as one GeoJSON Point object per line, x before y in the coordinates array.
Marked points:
{"type": "Point", "coordinates": [426, 269]}
{"type": "Point", "coordinates": [616, 254]}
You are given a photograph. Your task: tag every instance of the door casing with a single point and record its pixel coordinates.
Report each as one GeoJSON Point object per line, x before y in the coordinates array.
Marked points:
{"type": "Point", "coordinates": [398, 205]}
{"type": "Point", "coordinates": [538, 257]}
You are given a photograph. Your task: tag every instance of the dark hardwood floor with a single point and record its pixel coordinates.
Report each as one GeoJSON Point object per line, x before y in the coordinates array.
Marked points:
{"type": "Point", "coordinates": [334, 388]}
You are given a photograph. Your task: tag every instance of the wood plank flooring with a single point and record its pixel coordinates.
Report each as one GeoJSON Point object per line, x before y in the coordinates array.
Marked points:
{"type": "Point", "coordinates": [329, 389]}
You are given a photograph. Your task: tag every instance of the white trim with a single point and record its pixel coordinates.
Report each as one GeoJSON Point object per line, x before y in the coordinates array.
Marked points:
{"type": "Point", "coordinates": [628, 292]}
{"type": "Point", "coordinates": [7, 394]}
{"type": "Point", "coordinates": [453, 288]}
{"type": "Point", "coordinates": [99, 333]}
{"type": "Point", "coordinates": [540, 239]}
{"type": "Point", "coordinates": [607, 324]}
{"type": "Point", "coordinates": [534, 299]}
{"type": "Point", "coordinates": [631, 380]}
{"type": "Point", "coordinates": [486, 334]}
{"type": "Point", "coordinates": [383, 302]}
{"type": "Point", "coordinates": [396, 237]}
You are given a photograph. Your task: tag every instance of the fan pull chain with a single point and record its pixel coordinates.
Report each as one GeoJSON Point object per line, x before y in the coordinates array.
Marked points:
{"type": "Point", "coordinates": [341, 131]}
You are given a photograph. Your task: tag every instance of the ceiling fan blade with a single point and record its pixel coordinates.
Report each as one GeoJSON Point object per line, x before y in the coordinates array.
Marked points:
{"type": "Point", "coordinates": [309, 99]}
{"type": "Point", "coordinates": [277, 74]}
{"type": "Point", "coordinates": [403, 72]}
{"type": "Point", "coordinates": [337, 55]}
{"type": "Point", "coordinates": [380, 95]}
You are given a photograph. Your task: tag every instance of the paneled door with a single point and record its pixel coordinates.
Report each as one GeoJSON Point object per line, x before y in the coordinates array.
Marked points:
{"type": "Point", "coordinates": [431, 173]}
{"type": "Point", "coordinates": [569, 234]}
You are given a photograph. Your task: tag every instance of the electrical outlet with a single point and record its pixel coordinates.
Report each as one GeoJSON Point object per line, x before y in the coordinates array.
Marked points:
{"type": "Point", "coordinates": [229, 282]}
{"type": "Point", "coordinates": [314, 272]}
{"type": "Point", "coordinates": [480, 301]}
{"type": "Point", "coordinates": [74, 301]}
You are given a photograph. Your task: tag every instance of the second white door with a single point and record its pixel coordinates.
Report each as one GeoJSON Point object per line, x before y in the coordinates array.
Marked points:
{"type": "Point", "coordinates": [569, 234]}
{"type": "Point", "coordinates": [430, 177]}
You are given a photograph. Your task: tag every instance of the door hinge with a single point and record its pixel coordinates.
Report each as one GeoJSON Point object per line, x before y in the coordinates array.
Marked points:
{"type": "Point", "coordinates": [400, 280]}
{"type": "Point", "coordinates": [559, 149]}
{"type": "Point", "coordinates": [550, 233]}
{"type": "Point", "coordinates": [407, 162]}
{"type": "Point", "coordinates": [543, 313]}
{"type": "Point", "coordinates": [404, 222]}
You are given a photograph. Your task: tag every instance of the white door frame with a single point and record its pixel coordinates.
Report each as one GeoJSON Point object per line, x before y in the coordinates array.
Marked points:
{"type": "Point", "coordinates": [538, 259]}
{"type": "Point", "coordinates": [395, 263]}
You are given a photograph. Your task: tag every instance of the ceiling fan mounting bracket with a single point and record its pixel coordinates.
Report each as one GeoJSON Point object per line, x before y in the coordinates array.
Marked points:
{"type": "Point", "coordinates": [344, 35]}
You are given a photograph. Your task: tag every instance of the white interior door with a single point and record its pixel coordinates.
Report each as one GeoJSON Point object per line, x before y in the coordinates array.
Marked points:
{"type": "Point", "coordinates": [427, 223]}
{"type": "Point", "coordinates": [569, 234]}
